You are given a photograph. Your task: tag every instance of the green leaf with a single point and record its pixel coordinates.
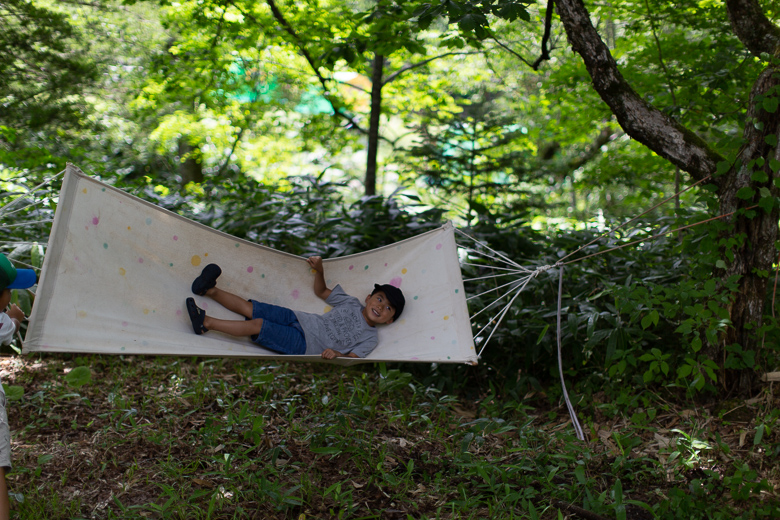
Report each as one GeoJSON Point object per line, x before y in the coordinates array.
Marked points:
{"type": "Point", "coordinates": [759, 176]}
{"type": "Point", "coordinates": [759, 435]}
{"type": "Point", "coordinates": [579, 472]}
{"type": "Point", "coordinates": [766, 203]}
{"type": "Point", "coordinates": [770, 104]}
{"type": "Point", "coordinates": [771, 140]}
{"type": "Point", "coordinates": [79, 376]}
{"type": "Point", "coordinates": [512, 11]}
{"type": "Point", "coordinates": [43, 459]}
{"type": "Point", "coordinates": [774, 165]}
{"type": "Point", "coordinates": [13, 392]}
{"type": "Point", "coordinates": [541, 334]}
{"type": "Point", "coordinates": [650, 319]}
{"type": "Point", "coordinates": [745, 193]}
{"type": "Point", "coordinates": [618, 492]}
{"type": "Point", "coordinates": [469, 22]}
{"type": "Point", "coordinates": [723, 167]}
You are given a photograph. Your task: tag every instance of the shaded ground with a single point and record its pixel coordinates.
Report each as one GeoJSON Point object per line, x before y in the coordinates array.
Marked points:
{"type": "Point", "coordinates": [187, 438]}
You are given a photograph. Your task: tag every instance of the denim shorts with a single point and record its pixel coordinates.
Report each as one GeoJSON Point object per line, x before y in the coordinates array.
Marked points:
{"type": "Point", "coordinates": [281, 331]}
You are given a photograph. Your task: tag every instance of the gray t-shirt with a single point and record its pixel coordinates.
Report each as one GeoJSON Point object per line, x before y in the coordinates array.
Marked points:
{"type": "Point", "coordinates": [343, 328]}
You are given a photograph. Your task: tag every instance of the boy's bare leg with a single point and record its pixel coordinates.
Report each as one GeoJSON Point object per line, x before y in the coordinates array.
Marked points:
{"type": "Point", "coordinates": [234, 327]}
{"type": "Point", "coordinates": [231, 302]}
{"type": "Point", "coordinates": [5, 505]}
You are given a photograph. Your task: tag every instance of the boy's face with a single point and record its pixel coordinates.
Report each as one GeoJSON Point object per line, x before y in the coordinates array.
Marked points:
{"type": "Point", "coordinates": [5, 299]}
{"type": "Point", "coordinates": [378, 310]}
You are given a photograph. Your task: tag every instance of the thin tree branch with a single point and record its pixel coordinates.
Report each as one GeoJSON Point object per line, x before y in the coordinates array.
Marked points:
{"type": "Point", "coordinates": [323, 81]}
{"type": "Point", "coordinates": [546, 37]}
{"type": "Point", "coordinates": [511, 51]}
{"type": "Point", "coordinates": [407, 68]}
{"type": "Point", "coordinates": [232, 151]}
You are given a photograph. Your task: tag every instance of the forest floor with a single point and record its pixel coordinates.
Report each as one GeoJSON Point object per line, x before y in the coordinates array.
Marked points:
{"type": "Point", "coordinates": [140, 437]}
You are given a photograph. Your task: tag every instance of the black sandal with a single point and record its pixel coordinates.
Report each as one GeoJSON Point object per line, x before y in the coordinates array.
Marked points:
{"type": "Point", "coordinates": [206, 280]}
{"type": "Point", "coordinates": [197, 315]}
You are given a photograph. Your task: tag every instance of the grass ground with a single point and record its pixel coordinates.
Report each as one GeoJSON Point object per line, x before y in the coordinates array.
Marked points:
{"type": "Point", "coordinates": [175, 438]}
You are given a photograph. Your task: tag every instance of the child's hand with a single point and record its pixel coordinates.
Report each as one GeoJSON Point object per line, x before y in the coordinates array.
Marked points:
{"type": "Point", "coordinates": [329, 353]}
{"type": "Point", "coordinates": [15, 313]}
{"type": "Point", "coordinates": [315, 262]}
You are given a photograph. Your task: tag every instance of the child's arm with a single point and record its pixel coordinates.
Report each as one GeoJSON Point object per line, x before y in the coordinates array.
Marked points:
{"type": "Point", "coordinates": [16, 314]}
{"type": "Point", "coordinates": [320, 289]}
{"type": "Point", "coordinates": [329, 353]}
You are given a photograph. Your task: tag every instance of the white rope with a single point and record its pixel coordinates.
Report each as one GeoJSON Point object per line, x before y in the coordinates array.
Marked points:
{"type": "Point", "coordinates": [21, 196]}
{"type": "Point", "coordinates": [7, 214]}
{"type": "Point", "coordinates": [520, 288]}
{"type": "Point", "coordinates": [507, 260]}
{"type": "Point", "coordinates": [572, 413]}
{"type": "Point", "coordinates": [485, 254]}
{"type": "Point", "coordinates": [494, 289]}
{"type": "Point", "coordinates": [25, 264]}
{"type": "Point", "coordinates": [9, 243]}
{"type": "Point", "coordinates": [31, 223]}
{"type": "Point", "coordinates": [514, 270]}
{"type": "Point", "coordinates": [501, 318]}
{"type": "Point", "coordinates": [491, 276]}
{"type": "Point", "coordinates": [494, 302]}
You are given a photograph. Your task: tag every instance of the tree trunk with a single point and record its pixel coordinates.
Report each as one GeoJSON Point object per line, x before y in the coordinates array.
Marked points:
{"type": "Point", "coordinates": [190, 167]}
{"type": "Point", "coordinates": [756, 236]}
{"type": "Point", "coordinates": [373, 129]}
{"type": "Point", "coordinates": [756, 251]}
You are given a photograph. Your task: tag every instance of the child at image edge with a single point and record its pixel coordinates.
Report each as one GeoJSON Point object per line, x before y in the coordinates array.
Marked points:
{"type": "Point", "coordinates": [10, 320]}
{"type": "Point", "coordinates": [349, 329]}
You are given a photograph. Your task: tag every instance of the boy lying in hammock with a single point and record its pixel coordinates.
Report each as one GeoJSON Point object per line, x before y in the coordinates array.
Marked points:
{"type": "Point", "coordinates": [349, 329]}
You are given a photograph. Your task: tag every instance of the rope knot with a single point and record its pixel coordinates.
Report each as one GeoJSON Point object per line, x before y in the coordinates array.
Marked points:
{"type": "Point", "coordinates": [543, 268]}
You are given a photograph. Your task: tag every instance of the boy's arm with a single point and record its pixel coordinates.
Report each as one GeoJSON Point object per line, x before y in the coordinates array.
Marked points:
{"type": "Point", "coordinates": [329, 353]}
{"type": "Point", "coordinates": [320, 289]}
{"type": "Point", "coordinates": [16, 314]}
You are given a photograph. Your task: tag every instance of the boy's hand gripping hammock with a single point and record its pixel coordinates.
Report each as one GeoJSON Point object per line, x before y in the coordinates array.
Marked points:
{"type": "Point", "coordinates": [118, 269]}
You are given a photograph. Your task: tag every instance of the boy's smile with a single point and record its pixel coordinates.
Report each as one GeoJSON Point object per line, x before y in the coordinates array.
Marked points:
{"type": "Point", "coordinates": [378, 310]}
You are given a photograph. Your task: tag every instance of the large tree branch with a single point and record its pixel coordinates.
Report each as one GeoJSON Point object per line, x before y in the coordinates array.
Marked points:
{"type": "Point", "coordinates": [639, 119]}
{"type": "Point", "coordinates": [753, 29]}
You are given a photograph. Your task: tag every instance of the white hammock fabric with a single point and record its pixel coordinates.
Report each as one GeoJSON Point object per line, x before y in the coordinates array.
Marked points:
{"type": "Point", "coordinates": [118, 269]}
